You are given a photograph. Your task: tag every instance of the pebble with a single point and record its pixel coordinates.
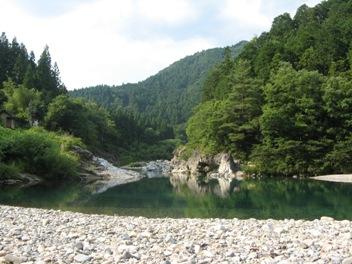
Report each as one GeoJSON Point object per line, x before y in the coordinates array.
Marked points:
{"type": "Point", "coordinates": [82, 258]}
{"type": "Point", "coordinates": [347, 260]}
{"type": "Point", "coordinates": [13, 259]}
{"type": "Point", "coordinates": [48, 236]}
{"type": "Point", "coordinates": [79, 246]}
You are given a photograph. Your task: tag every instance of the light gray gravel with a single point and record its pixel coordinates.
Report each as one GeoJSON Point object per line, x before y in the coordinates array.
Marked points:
{"type": "Point", "coordinates": [48, 236]}
{"type": "Point", "coordinates": [346, 178]}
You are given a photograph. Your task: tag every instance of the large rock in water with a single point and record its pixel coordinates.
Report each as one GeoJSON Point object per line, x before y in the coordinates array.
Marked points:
{"type": "Point", "coordinates": [206, 173]}
{"type": "Point", "coordinates": [157, 169]}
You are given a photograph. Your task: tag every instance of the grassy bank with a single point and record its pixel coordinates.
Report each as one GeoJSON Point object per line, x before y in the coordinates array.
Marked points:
{"type": "Point", "coordinates": [39, 152]}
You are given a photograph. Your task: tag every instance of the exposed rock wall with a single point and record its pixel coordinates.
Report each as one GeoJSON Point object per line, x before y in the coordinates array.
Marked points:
{"type": "Point", "coordinates": [204, 173]}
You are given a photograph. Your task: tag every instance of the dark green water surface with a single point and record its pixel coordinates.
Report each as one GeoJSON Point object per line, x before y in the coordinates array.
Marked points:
{"type": "Point", "coordinates": [270, 198]}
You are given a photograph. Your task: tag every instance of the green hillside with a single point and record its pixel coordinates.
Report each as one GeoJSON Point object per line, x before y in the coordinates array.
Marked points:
{"type": "Point", "coordinates": [166, 98]}
{"type": "Point", "coordinates": [284, 105]}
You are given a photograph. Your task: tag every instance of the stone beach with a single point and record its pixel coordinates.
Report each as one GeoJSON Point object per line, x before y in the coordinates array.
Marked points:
{"type": "Point", "coordinates": [347, 178]}
{"type": "Point", "coordinates": [48, 236]}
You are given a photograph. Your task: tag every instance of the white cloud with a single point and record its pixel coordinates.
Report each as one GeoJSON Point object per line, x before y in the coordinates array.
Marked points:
{"type": "Point", "coordinates": [247, 12]}
{"type": "Point", "coordinates": [248, 18]}
{"type": "Point", "coordinates": [89, 44]}
{"type": "Point", "coordinates": [312, 2]}
{"type": "Point", "coordinates": [92, 44]}
{"type": "Point", "coordinates": [171, 11]}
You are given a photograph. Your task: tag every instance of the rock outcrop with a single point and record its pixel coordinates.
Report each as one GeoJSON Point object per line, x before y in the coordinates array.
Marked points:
{"type": "Point", "coordinates": [157, 169]}
{"type": "Point", "coordinates": [152, 169]}
{"type": "Point", "coordinates": [112, 176]}
{"type": "Point", "coordinates": [102, 174]}
{"type": "Point", "coordinates": [203, 173]}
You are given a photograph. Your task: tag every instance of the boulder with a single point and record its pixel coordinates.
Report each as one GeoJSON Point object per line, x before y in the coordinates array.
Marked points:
{"type": "Point", "coordinates": [203, 173]}
{"type": "Point", "coordinates": [157, 169]}
{"type": "Point", "coordinates": [84, 154]}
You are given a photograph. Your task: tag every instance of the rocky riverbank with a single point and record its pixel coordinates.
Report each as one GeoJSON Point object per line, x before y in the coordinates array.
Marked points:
{"type": "Point", "coordinates": [48, 236]}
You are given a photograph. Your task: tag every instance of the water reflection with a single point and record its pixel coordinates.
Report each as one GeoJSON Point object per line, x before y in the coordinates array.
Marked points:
{"type": "Point", "coordinates": [270, 198]}
{"type": "Point", "coordinates": [201, 185]}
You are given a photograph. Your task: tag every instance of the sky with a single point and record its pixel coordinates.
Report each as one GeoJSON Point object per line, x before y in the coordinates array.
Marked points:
{"type": "Point", "coordinates": [121, 41]}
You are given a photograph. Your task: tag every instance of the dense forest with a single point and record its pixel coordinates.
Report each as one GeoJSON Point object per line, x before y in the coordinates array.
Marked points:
{"type": "Point", "coordinates": [284, 107]}
{"type": "Point", "coordinates": [281, 104]}
{"type": "Point", "coordinates": [165, 99]}
{"type": "Point", "coordinates": [49, 123]}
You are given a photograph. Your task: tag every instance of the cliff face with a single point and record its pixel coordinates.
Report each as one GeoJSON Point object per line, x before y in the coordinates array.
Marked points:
{"type": "Point", "coordinates": [206, 173]}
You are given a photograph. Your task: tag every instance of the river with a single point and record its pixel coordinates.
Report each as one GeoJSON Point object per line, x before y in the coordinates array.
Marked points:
{"type": "Point", "coordinates": [158, 197]}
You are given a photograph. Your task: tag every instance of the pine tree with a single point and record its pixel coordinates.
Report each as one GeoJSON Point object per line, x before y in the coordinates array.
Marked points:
{"type": "Point", "coordinates": [4, 58]}
{"type": "Point", "coordinates": [30, 78]}
{"type": "Point", "coordinates": [240, 128]}
{"type": "Point", "coordinates": [49, 82]}
{"type": "Point", "coordinates": [46, 82]}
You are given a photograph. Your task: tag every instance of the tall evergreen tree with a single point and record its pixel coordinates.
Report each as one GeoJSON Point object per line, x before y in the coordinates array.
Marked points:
{"type": "Point", "coordinates": [4, 58]}
{"type": "Point", "coordinates": [240, 128]}
{"type": "Point", "coordinates": [49, 82]}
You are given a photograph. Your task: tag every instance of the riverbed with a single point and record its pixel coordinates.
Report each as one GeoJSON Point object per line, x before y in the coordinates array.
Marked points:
{"type": "Point", "coordinates": [49, 236]}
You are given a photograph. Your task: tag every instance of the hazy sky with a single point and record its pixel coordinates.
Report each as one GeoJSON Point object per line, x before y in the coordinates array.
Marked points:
{"type": "Point", "coordinates": [119, 41]}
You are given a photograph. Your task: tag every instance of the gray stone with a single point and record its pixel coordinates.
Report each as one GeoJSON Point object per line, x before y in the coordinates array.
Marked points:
{"type": "Point", "coordinates": [14, 259]}
{"type": "Point", "coordinates": [79, 246]}
{"type": "Point", "coordinates": [347, 260]}
{"type": "Point", "coordinates": [170, 239]}
{"type": "Point", "coordinates": [125, 237]}
{"type": "Point", "coordinates": [82, 258]}
{"type": "Point", "coordinates": [126, 255]}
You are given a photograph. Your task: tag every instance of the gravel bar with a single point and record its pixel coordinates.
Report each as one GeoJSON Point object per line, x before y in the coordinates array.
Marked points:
{"type": "Point", "coordinates": [344, 178]}
{"type": "Point", "coordinates": [49, 236]}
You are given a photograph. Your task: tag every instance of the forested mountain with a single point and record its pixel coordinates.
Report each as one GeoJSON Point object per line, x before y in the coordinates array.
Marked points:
{"type": "Point", "coordinates": [281, 103]}
{"type": "Point", "coordinates": [32, 94]}
{"type": "Point", "coordinates": [284, 107]}
{"type": "Point", "coordinates": [166, 98]}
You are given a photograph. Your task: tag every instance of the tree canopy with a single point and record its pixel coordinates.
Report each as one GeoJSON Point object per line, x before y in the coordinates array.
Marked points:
{"type": "Point", "coordinates": [283, 107]}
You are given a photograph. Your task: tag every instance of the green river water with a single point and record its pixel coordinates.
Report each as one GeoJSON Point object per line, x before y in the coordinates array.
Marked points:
{"type": "Point", "coordinates": [262, 199]}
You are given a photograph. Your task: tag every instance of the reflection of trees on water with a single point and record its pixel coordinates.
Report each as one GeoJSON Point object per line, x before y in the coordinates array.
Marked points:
{"type": "Point", "coordinates": [44, 195]}
{"type": "Point", "coordinates": [268, 198]}
{"type": "Point", "coordinates": [221, 187]}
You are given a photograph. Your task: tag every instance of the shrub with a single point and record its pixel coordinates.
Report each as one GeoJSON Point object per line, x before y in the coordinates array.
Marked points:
{"type": "Point", "coordinates": [8, 171]}
{"type": "Point", "coordinates": [39, 152]}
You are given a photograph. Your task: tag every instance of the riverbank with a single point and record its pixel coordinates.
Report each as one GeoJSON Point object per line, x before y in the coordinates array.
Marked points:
{"type": "Point", "coordinates": [48, 236]}
{"type": "Point", "coordinates": [345, 178]}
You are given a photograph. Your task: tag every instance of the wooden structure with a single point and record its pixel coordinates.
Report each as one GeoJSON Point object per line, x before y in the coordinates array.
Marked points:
{"type": "Point", "coordinates": [7, 120]}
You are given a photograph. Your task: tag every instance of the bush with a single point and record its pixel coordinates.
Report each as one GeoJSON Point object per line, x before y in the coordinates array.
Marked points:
{"type": "Point", "coordinates": [38, 152]}
{"type": "Point", "coordinates": [8, 171]}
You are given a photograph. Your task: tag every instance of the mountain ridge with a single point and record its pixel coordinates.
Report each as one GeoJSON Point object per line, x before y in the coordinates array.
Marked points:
{"type": "Point", "coordinates": [165, 98]}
